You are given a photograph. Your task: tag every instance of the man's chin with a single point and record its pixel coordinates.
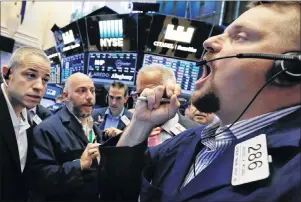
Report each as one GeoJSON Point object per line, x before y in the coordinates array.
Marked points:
{"type": "Point", "coordinates": [207, 103]}
{"type": "Point", "coordinates": [84, 115]}
{"type": "Point", "coordinates": [30, 105]}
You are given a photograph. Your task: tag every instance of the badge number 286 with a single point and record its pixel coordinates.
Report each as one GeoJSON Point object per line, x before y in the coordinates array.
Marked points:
{"type": "Point", "coordinates": [250, 161]}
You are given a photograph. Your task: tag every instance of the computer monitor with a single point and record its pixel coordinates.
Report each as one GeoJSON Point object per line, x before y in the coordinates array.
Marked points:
{"type": "Point", "coordinates": [176, 37]}
{"type": "Point", "coordinates": [71, 65]}
{"type": "Point", "coordinates": [68, 39]}
{"type": "Point", "coordinates": [52, 91]}
{"type": "Point", "coordinates": [186, 72]}
{"type": "Point", "coordinates": [104, 68]}
{"type": "Point", "coordinates": [112, 33]}
{"type": "Point", "coordinates": [55, 73]}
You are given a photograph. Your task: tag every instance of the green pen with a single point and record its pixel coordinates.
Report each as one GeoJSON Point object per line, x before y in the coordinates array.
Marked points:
{"type": "Point", "coordinates": [90, 136]}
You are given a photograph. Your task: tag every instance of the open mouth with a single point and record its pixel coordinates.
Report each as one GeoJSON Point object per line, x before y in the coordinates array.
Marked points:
{"type": "Point", "coordinates": [206, 71]}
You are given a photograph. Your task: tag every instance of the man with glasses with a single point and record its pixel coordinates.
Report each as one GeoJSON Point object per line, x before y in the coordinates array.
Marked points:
{"type": "Point", "coordinates": [114, 118]}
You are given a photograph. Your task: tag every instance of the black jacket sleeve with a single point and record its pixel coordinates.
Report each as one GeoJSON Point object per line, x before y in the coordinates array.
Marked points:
{"type": "Point", "coordinates": [120, 171]}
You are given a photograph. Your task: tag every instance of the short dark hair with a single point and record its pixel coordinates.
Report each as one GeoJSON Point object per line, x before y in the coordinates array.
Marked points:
{"type": "Point", "coordinates": [120, 85]}
{"type": "Point", "coordinates": [252, 4]}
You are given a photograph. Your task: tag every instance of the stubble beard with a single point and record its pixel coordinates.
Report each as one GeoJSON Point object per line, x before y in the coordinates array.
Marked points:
{"type": "Point", "coordinates": [207, 101]}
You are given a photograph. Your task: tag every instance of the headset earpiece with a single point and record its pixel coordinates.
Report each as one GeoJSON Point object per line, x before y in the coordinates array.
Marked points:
{"type": "Point", "coordinates": [292, 74]}
{"type": "Point", "coordinates": [6, 76]}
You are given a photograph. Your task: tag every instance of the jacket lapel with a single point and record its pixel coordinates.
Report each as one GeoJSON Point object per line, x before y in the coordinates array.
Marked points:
{"type": "Point", "coordinates": [120, 125]}
{"type": "Point", "coordinates": [216, 175]}
{"type": "Point", "coordinates": [181, 167]}
{"type": "Point", "coordinates": [8, 131]}
{"type": "Point", "coordinates": [97, 133]}
{"type": "Point", "coordinates": [72, 124]}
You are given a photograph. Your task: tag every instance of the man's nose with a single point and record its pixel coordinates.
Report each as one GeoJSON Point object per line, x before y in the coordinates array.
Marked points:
{"type": "Point", "coordinates": [213, 44]}
{"type": "Point", "coordinates": [38, 85]}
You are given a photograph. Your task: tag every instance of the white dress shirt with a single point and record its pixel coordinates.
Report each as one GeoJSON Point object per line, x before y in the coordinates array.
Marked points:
{"type": "Point", "coordinates": [20, 126]}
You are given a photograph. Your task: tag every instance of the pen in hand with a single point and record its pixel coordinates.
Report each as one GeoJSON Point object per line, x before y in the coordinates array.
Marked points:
{"type": "Point", "coordinates": [163, 100]}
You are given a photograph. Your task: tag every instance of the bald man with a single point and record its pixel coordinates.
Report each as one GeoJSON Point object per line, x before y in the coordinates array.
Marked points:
{"type": "Point", "coordinates": [151, 76]}
{"type": "Point", "coordinates": [65, 147]}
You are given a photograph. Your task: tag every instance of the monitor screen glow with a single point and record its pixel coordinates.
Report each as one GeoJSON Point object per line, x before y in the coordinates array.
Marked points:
{"type": "Point", "coordinates": [55, 73]}
{"type": "Point", "coordinates": [71, 65]}
{"type": "Point", "coordinates": [107, 67]}
{"type": "Point", "coordinates": [186, 72]}
{"type": "Point", "coordinates": [52, 92]}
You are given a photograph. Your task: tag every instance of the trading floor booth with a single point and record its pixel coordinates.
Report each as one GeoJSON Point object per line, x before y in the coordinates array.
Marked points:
{"type": "Point", "coordinates": [52, 91]}
{"type": "Point", "coordinates": [115, 46]}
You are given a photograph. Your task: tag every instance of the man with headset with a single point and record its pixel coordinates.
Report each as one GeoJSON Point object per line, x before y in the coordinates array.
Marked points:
{"type": "Point", "coordinates": [253, 152]}
{"type": "Point", "coordinates": [113, 119]}
{"type": "Point", "coordinates": [24, 85]}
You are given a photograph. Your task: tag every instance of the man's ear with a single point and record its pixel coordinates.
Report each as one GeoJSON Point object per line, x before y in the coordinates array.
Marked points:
{"type": "Point", "coordinates": [65, 94]}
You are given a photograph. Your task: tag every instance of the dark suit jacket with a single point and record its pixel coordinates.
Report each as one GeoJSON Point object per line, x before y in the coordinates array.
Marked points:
{"type": "Point", "coordinates": [102, 112]}
{"type": "Point", "coordinates": [187, 123]}
{"type": "Point", "coordinates": [42, 112]}
{"type": "Point", "coordinates": [13, 183]}
{"type": "Point", "coordinates": [165, 167]}
{"type": "Point", "coordinates": [58, 143]}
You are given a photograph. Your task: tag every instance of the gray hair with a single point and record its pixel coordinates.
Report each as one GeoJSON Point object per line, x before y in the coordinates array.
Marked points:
{"type": "Point", "coordinates": [18, 56]}
{"type": "Point", "coordinates": [165, 72]}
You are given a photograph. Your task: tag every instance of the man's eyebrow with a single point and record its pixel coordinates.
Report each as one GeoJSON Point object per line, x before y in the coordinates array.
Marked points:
{"type": "Point", "coordinates": [236, 27]}
{"type": "Point", "coordinates": [36, 71]}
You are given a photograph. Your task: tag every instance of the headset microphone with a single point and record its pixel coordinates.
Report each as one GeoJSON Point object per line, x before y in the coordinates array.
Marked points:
{"type": "Point", "coordinates": [256, 55]}
{"type": "Point", "coordinates": [286, 71]}
{"type": "Point", "coordinates": [289, 62]}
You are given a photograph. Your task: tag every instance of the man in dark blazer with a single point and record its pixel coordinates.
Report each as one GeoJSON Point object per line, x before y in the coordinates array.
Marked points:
{"type": "Point", "coordinates": [24, 85]}
{"type": "Point", "coordinates": [65, 147]}
{"type": "Point", "coordinates": [251, 154]}
{"type": "Point", "coordinates": [113, 119]}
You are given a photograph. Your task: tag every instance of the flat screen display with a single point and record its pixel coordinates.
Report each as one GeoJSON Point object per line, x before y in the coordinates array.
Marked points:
{"type": "Point", "coordinates": [178, 37]}
{"type": "Point", "coordinates": [71, 65]}
{"type": "Point", "coordinates": [107, 67]}
{"type": "Point", "coordinates": [53, 55]}
{"type": "Point", "coordinates": [112, 33]}
{"type": "Point", "coordinates": [55, 73]}
{"type": "Point", "coordinates": [52, 92]}
{"type": "Point", "coordinates": [186, 72]}
{"type": "Point", "coordinates": [68, 40]}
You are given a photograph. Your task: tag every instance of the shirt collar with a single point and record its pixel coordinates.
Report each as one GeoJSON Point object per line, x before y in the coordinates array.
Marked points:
{"type": "Point", "coordinates": [108, 112]}
{"type": "Point", "coordinates": [213, 133]}
{"type": "Point", "coordinates": [245, 127]}
{"type": "Point", "coordinates": [34, 109]}
{"type": "Point", "coordinates": [22, 121]}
